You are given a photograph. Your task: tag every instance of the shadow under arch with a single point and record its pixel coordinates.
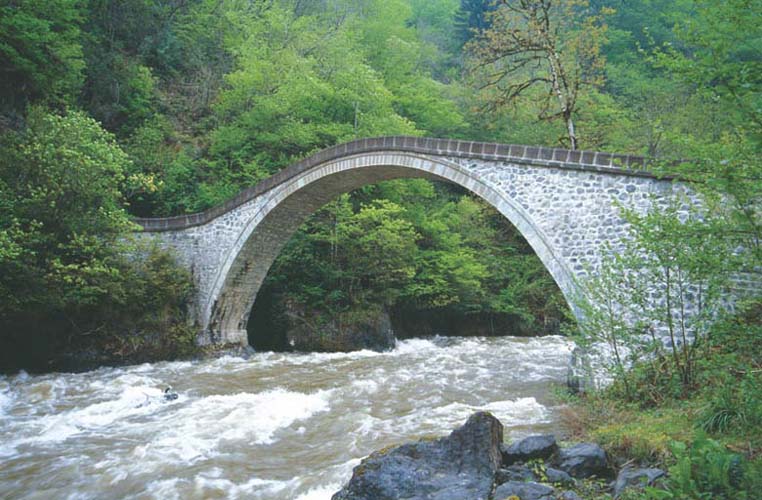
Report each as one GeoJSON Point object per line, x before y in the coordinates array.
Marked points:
{"type": "Point", "coordinates": [288, 205]}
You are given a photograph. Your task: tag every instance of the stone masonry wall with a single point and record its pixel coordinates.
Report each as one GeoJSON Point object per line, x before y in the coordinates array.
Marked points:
{"type": "Point", "coordinates": [564, 203]}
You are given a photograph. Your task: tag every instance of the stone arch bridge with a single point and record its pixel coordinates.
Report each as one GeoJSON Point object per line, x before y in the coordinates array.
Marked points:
{"type": "Point", "coordinates": [565, 203]}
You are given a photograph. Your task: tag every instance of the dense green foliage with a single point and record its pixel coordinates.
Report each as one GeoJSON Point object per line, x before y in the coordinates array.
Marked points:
{"type": "Point", "coordinates": [421, 251]}
{"type": "Point", "coordinates": [41, 53]}
{"type": "Point", "coordinates": [67, 283]}
{"type": "Point", "coordinates": [205, 97]}
{"type": "Point", "coordinates": [156, 107]}
{"type": "Point", "coordinates": [62, 212]}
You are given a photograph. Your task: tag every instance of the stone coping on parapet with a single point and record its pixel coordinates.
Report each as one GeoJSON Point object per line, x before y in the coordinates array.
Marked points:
{"type": "Point", "coordinates": [591, 161]}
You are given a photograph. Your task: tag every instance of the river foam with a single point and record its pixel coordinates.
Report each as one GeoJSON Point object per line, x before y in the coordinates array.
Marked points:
{"type": "Point", "coordinates": [276, 426]}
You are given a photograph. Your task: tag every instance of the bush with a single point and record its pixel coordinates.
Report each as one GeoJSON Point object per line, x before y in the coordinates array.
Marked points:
{"type": "Point", "coordinates": [735, 406]}
{"type": "Point", "coordinates": [70, 283]}
{"type": "Point", "coordinates": [705, 469]}
{"type": "Point", "coordinates": [150, 320]}
{"type": "Point", "coordinates": [731, 372]}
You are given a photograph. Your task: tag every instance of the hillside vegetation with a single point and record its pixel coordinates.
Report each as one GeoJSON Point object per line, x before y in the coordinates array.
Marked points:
{"type": "Point", "coordinates": [113, 109]}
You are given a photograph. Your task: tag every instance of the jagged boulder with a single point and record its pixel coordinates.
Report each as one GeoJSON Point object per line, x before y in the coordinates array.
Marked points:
{"type": "Point", "coordinates": [459, 466]}
{"type": "Point", "coordinates": [524, 491]}
{"type": "Point", "coordinates": [530, 448]}
{"type": "Point", "coordinates": [583, 460]}
{"type": "Point", "coordinates": [630, 477]}
{"type": "Point", "coordinates": [374, 333]}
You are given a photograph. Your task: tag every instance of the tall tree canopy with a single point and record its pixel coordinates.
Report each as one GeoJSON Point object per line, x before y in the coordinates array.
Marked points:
{"type": "Point", "coordinates": [551, 44]}
{"type": "Point", "coordinates": [171, 106]}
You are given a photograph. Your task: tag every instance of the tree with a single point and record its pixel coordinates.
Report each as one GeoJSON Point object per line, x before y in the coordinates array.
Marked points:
{"type": "Point", "coordinates": [472, 18]}
{"type": "Point", "coordinates": [348, 260]}
{"type": "Point", "coordinates": [720, 55]}
{"type": "Point", "coordinates": [547, 43]}
{"type": "Point", "coordinates": [664, 286]}
{"type": "Point", "coordinates": [61, 183]}
{"type": "Point", "coordinates": [298, 87]}
{"type": "Point", "coordinates": [69, 278]}
{"type": "Point", "coordinates": [41, 52]}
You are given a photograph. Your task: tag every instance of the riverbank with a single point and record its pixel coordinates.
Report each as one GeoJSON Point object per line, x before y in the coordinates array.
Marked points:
{"type": "Point", "coordinates": [688, 439]}
{"type": "Point", "coordinates": [707, 432]}
{"type": "Point", "coordinates": [663, 431]}
{"type": "Point", "coordinates": [474, 462]}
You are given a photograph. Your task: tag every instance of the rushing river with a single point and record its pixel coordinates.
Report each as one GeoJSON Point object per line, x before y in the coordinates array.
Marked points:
{"type": "Point", "coordinates": [276, 426]}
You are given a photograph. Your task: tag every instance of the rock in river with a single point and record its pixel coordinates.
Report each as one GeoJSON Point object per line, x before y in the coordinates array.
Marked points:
{"type": "Point", "coordinates": [373, 333]}
{"type": "Point", "coordinates": [457, 467]}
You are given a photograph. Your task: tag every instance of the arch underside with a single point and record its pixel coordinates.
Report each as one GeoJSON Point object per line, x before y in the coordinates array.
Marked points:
{"type": "Point", "coordinates": [225, 317]}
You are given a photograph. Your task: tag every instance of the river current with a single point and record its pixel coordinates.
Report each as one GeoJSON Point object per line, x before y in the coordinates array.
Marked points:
{"type": "Point", "coordinates": [275, 426]}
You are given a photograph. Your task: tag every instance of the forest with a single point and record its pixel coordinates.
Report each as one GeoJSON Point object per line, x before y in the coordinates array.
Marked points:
{"type": "Point", "coordinates": [115, 109]}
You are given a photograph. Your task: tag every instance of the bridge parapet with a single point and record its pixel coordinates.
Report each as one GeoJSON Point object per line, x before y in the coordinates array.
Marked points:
{"type": "Point", "coordinates": [591, 161]}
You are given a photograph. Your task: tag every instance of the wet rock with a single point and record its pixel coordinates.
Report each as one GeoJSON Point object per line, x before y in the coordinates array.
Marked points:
{"type": "Point", "coordinates": [524, 491]}
{"type": "Point", "coordinates": [583, 460]}
{"type": "Point", "coordinates": [459, 466]}
{"type": "Point", "coordinates": [569, 495]}
{"type": "Point", "coordinates": [375, 334]}
{"type": "Point", "coordinates": [579, 377]}
{"type": "Point", "coordinates": [556, 476]}
{"type": "Point", "coordinates": [216, 351]}
{"type": "Point", "coordinates": [170, 394]}
{"type": "Point", "coordinates": [530, 448]}
{"type": "Point", "coordinates": [630, 477]}
{"type": "Point", "coordinates": [514, 473]}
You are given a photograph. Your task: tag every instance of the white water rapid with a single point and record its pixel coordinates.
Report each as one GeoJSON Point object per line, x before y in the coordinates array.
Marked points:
{"type": "Point", "coordinates": [276, 426]}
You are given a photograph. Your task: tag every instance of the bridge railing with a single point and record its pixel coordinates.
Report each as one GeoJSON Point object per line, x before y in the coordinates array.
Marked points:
{"type": "Point", "coordinates": [539, 156]}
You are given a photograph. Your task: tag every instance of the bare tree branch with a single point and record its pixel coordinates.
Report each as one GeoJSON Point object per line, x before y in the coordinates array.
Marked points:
{"type": "Point", "coordinates": [548, 43]}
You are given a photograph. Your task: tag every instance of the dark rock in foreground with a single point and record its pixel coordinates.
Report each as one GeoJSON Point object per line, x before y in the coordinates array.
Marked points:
{"type": "Point", "coordinates": [569, 495]}
{"type": "Point", "coordinates": [470, 464]}
{"type": "Point", "coordinates": [530, 448]}
{"type": "Point", "coordinates": [457, 467]}
{"type": "Point", "coordinates": [558, 476]}
{"type": "Point", "coordinates": [514, 473]}
{"type": "Point", "coordinates": [634, 477]}
{"type": "Point", "coordinates": [583, 460]}
{"type": "Point", "coordinates": [524, 491]}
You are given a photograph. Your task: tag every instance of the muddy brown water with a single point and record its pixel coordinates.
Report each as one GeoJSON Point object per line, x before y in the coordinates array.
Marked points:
{"type": "Point", "coordinates": [276, 426]}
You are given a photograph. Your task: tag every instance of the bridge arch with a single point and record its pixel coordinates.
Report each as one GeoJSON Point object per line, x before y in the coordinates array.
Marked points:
{"type": "Point", "coordinates": [565, 203]}
{"type": "Point", "coordinates": [266, 228]}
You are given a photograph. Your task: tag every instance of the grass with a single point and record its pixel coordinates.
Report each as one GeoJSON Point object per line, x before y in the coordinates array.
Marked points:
{"type": "Point", "coordinates": [645, 436]}
{"type": "Point", "coordinates": [698, 435]}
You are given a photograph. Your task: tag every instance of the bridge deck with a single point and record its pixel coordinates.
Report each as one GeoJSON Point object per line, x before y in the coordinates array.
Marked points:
{"type": "Point", "coordinates": [630, 165]}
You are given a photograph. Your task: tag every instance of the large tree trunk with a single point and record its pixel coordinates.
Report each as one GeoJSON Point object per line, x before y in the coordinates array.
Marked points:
{"type": "Point", "coordinates": [571, 132]}
{"type": "Point", "coordinates": [561, 89]}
